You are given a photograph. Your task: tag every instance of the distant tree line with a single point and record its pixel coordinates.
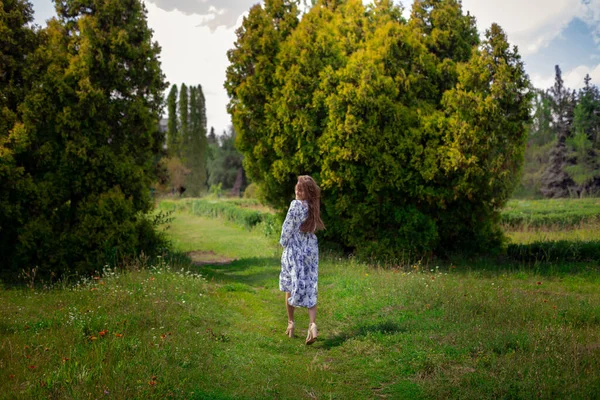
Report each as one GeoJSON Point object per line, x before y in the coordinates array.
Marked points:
{"type": "Point", "coordinates": [187, 144]}
{"type": "Point", "coordinates": [196, 160]}
{"type": "Point", "coordinates": [563, 148]}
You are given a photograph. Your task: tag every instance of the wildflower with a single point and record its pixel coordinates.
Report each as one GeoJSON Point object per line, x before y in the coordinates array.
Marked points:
{"type": "Point", "coordinates": [102, 333]}
{"type": "Point", "coordinates": [65, 359]}
{"type": "Point", "coordinates": [31, 367]}
{"type": "Point", "coordinates": [11, 376]}
{"type": "Point", "coordinates": [93, 338]}
{"type": "Point", "coordinates": [92, 289]}
{"type": "Point", "coordinates": [118, 334]}
{"type": "Point", "coordinates": [152, 383]}
{"type": "Point", "coordinates": [539, 283]}
{"type": "Point", "coordinates": [163, 336]}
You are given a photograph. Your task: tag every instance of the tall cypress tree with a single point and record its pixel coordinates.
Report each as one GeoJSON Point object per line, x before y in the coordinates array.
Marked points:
{"type": "Point", "coordinates": [183, 120]}
{"type": "Point", "coordinates": [196, 155]}
{"type": "Point", "coordinates": [173, 138]}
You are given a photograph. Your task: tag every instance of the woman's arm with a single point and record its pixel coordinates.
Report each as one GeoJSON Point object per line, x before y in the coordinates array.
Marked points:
{"type": "Point", "coordinates": [292, 222]}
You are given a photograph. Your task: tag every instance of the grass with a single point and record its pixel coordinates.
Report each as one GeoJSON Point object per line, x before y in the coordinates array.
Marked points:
{"type": "Point", "coordinates": [553, 214]}
{"type": "Point", "coordinates": [217, 331]}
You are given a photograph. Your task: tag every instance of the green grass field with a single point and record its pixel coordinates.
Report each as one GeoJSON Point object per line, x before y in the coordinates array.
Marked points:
{"type": "Point", "coordinates": [217, 331]}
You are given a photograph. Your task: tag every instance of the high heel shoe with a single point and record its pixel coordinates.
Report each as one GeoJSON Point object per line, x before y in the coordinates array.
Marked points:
{"type": "Point", "coordinates": [312, 334]}
{"type": "Point", "coordinates": [290, 329]}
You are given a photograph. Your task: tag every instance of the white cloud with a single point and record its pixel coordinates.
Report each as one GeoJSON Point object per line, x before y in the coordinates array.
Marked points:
{"type": "Point", "coordinates": [216, 13]}
{"type": "Point", "coordinates": [573, 79]}
{"type": "Point", "coordinates": [194, 54]}
{"type": "Point", "coordinates": [531, 24]}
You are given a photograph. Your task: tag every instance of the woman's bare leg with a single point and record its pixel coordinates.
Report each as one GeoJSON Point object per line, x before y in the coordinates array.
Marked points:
{"type": "Point", "coordinates": [290, 309]}
{"type": "Point", "coordinates": [312, 314]}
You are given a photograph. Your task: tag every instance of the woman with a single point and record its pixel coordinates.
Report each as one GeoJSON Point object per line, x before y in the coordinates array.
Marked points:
{"type": "Point", "coordinates": [300, 259]}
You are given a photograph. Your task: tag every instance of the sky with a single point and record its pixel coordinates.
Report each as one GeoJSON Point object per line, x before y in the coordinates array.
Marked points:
{"type": "Point", "coordinates": [195, 35]}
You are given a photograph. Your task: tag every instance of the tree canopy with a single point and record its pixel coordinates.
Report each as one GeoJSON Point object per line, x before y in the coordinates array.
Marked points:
{"type": "Point", "coordinates": [414, 129]}
{"type": "Point", "coordinates": [79, 155]}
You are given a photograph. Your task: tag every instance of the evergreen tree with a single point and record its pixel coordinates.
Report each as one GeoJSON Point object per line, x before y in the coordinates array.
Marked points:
{"type": "Point", "coordinates": [415, 133]}
{"type": "Point", "coordinates": [584, 145]}
{"type": "Point", "coordinates": [556, 182]}
{"type": "Point", "coordinates": [196, 153]}
{"type": "Point", "coordinates": [173, 138]}
{"type": "Point", "coordinates": [212, 137]}
{"type": "Point", "coordinates": [18, 58]}
{"type": "Point", "coordinates": [184, 119]}
{"type": "Point", "coordinates": [251, 80]}
{"type": "Point", "coordinates": [541, 139]}
{"type": "Point", "coordinates": [91, 123]}
{"type": "Point", "coordinates": [225, 163]}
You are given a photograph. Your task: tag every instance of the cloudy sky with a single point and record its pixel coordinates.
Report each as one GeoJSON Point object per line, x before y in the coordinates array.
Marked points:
{"type": "Point", "coordinates": [196, 34]}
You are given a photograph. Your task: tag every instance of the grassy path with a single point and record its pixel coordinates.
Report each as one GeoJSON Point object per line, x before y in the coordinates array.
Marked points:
{"type": "Point", "coordinates": [393, 334]}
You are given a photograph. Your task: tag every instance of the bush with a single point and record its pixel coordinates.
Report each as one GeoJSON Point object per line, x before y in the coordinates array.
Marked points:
{"type": "Point", "coordinates": [251, 192]}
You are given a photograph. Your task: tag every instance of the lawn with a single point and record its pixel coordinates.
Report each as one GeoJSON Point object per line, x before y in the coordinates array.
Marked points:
{"type": "Point", "coordinates": [217, 331]}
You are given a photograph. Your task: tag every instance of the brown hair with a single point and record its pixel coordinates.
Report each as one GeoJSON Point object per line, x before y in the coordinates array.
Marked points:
{"type": "Point", "coordinates": [311, 193]}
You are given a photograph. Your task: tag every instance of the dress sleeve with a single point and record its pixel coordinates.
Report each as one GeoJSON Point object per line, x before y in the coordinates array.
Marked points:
{"type": "Point", "coordinates": [292, 222]}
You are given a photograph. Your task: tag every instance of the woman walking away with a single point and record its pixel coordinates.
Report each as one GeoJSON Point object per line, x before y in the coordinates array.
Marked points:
{"type": "Point", "coordinates": [300, 259]}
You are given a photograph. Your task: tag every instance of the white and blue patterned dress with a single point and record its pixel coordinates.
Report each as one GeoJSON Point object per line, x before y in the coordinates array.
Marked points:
{"type": "Point", "coordinates": [300, 258]}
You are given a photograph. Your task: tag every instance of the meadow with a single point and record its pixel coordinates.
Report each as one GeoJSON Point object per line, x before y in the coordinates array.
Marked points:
{"type": "Point", "coordinates": [213, 328]}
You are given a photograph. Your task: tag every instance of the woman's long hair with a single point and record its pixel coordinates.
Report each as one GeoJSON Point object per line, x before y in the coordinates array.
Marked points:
{"type": "Point", "coordinates": [311, 193]}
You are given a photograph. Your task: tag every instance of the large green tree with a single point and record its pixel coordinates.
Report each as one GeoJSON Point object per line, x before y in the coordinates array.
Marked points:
{"type": "Point", "coordinates": [18, 42]}
{"type": "Point", "coordinates": [414, 129]}
{"type": "Point", "coordinates": [91, 126]}
{"type": "Point", "coordinates": [251, 80]}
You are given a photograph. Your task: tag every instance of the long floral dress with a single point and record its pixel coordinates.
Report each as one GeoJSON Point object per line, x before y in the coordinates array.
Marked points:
{"type": "Point", "coordinates": [300, 258]}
